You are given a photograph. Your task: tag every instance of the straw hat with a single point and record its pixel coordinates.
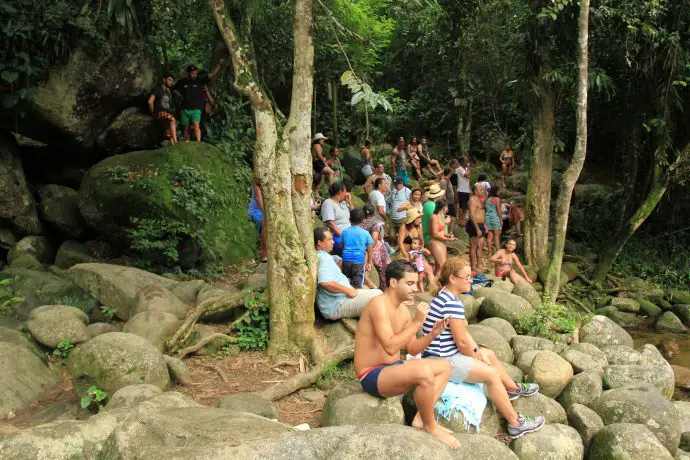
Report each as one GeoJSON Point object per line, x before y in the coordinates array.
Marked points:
{"type": "Point", "coordinates": [412, 215]}
{"type": "Point", "coordinates": [435, 192]}
{"type": "Point", "coordinates": [319, 136]}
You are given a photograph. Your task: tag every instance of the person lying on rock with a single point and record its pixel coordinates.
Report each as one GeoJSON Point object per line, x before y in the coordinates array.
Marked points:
{"type": "Point", "coordinates": [335, 296]}
{"type": "Point", "coordinates": [470, 362]}
{"type": "Point", "coordinates": [384, 328]}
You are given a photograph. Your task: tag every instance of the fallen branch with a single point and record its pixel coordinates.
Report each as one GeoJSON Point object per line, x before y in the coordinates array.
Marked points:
{"type": "Point", "coordinates": [202, 343]}
{"type": "Point", "coordinates": [217, 369]}
{"type": "Point", "coordinates": [299, 381]}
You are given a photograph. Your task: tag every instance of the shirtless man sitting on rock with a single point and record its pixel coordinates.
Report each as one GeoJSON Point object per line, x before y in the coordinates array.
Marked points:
{"type": "Point", "coordinates": [384, 328]}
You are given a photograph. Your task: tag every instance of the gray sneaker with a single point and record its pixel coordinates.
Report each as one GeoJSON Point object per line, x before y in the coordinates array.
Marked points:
{"type": "Point", "coordinates": [527, 425]}
{"type": "Point", "coordinates": [524, 389]}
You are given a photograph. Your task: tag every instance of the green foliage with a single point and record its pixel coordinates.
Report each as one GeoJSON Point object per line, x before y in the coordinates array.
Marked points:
{"type": "Point", "coordinates": [551, 321]}
{"type": "Point", "coordinates": [94, 398]}
{"type": "Point", "coordinates": [362, 92]}
{"type": "Point", "coordinates": [662, 261]}
{"type": "Point", "coordinates": [252, 331]}
{"type": "Point", "coordinates": [109, 313]}
{"type": "Point", "coordinates": [157, 240]}
{"type": "Point", "coordinates": [9, 298]}
{"type": "Point", "coordinates": [119, 174]}
{"type": "Point", "coordinates": [334, 374]}
{"type": "Point", "coordinates": [63, 349]}
{"type": "Point", "coordinates": [85, 305]}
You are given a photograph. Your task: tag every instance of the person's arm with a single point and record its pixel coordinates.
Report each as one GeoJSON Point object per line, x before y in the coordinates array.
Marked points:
{"type": "Point", "coordinates": [496, 257]}
{"type": "Point", "coordinates": [151, 100]}
{"type": "Point", "coordinates": [381, 211]}
{"type": "Point", "coordinates": [426, 252]}
{"type": "Point", "coordinates": [368, 183]}
{"type": "Point", "coordinates": [319, 153]}
{"type": "Point", "coordinates": [332, 286]}
{"type": "Point", "coordinates": [383, 329]}
{"type": "Point", "coordinates": [348, 200]}
{"type": "Point", "coordinates": [259, 197]}
{"type": "Point", "coordinates": [209, 96]}
{"type": "Point", "coordinates": [370, 257]}
{"type": "Point", "coordinates": [462, 338]}
{"type": "Point", "coordinates": [332, 227]}
{"type": "Point", "coordinates": [418, 345]}
{"type": "Point", "coordinates": [516, 261]}
{"type": "Point", "coordinates": [467, 172]}
{"type": "Point", "coordinates": [394, 157]}
{"type": "Point", "coordinates": [433, 228]}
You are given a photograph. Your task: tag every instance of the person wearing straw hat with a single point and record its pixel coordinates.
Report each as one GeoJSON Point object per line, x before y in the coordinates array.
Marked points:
{"type": "Point", "coordinates": [434, 194]}
{"type": "Point", "coordinates": [411, 230]}
{"type": "Point", "coordinates": [319, 160]}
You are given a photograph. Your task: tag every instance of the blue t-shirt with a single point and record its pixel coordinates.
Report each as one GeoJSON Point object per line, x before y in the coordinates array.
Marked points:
{"type": "Point", "coordinates": [329, 302]}
{"type": "Point", "coordinates": [444, 304]}
{"type": "Point", "coordinates": [355, 241]}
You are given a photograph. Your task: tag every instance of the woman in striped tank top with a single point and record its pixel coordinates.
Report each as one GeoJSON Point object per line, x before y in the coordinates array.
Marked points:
{"type": "Point", "coordinates": [470, 362]}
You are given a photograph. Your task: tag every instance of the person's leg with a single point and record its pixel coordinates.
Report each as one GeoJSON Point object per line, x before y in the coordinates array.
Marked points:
{"type": "Point", "coordinates": [507, 380]}
{"type": "Point", "coordinates": [197, 131]}
{"type": "Point", "coordinates": [473, 253]}
{"type": "Point", "coordinates": [437, 251]}
{"type": "Point", "coordinates": [488, 375]}
{"type": "Point", "coordinates": [515, 278]}
{"type": "Point", "coordinates": [353, 307]}
{"type": "Point", "coordinates": [480, 254]}
{"type": "Point", "coordinates": [429, 272]}
{"type": "Point", "coordinates": [427, 375]}
{"type": "Point", "coordinates": [329, 172]}
{"type": "Point", "coordinates": [504, 171]}
{"type": "Point", "coordinates": [185, 124]}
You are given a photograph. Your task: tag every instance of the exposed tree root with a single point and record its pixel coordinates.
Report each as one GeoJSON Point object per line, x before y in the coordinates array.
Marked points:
{"type": "Point", "coordinates": [217, 370]}
{"type": "Point", "coordinates": [202, 343]}
{"type": "Point", "coordinates": [299, 381]}
{"type": "Point", "coordinates": [576, 302]}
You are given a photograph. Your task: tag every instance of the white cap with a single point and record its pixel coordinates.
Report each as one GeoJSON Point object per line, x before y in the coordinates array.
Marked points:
{"type": "Point", "coordinates": [319, 136]}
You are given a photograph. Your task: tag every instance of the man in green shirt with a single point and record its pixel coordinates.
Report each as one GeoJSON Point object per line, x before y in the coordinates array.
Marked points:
{"type": "Point", "coordinates": [435, 194]}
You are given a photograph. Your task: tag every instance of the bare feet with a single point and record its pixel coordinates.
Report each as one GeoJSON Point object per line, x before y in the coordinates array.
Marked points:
{"type": "Point", "coordinates": [417, 423]}
{"type": "Point", "coordinates": [446, 438]}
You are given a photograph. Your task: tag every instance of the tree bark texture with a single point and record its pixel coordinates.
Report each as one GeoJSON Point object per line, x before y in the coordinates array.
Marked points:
{"type": "Point", "coordinates": [539, 188]}
{"type": "Point", "coordinates": [465, 128]}
{"type": "Point", "coordinates": [282, 168]}
{"type": "Point", "coordinates": [571, 175]}
{"type": "Point", "coordinates": [334, 95]}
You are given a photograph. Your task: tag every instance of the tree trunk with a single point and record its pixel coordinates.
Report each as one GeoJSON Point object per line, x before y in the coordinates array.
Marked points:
{"type": "Point", "coordinates": [465, 129]}
{"type": "Point", "coordinates": [565, 192]}
{"type": "Point", "coordinates": [334, 95]}
{"type": "Point", "coordinates": [539, 188]}
{"type": "Point", "coordinates": [366, 121]}
{"type": "Point", "coordinates": [621, 237]}
{"type": "Point", "coordinates": [282, 168]}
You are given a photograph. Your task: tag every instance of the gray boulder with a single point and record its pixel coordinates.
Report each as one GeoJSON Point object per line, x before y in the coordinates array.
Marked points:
{"type": "Point", "coordinates": [131, 129]}
{"type": "Point", "coordinates": [541, 405]}
{"type": "Point", "coordinates": [592, 351]}
{"type": "Point", "coordinates": [178, 370]}
{"type": "Point", "coordinates": [256, 282]}
{"type": "Point", "coordinates": [622, 354]}
{"type": "Point", "coordinates": [72, 253]}
{"type": "Point", "coordinates": [551, 372]}
{"type": "Point", "coordinates": [501, 326]}
{"type": "Point", "coordinates": [347, 404]}
{"type": "Point", "coordinates": [488, 336]}
{"type": "Point", "coordinates": [661, 377]}
{"type": "Point", "coordinates": [514, 372]}
{"type": "Point", "coordinates": [683, 313]}
{"type": "Point", "coordinates": [187, 291]}
{"type": "Point", "coordinates": [625, 304]}
{"type": "Point", "coordinates": [678, 297]}
{"type": "Point", "coordinates": [584, 388]}
{"type": "Point", "coordinates": [51, 324]}
{"type": "Point", "coordinates": [154, 326]}
{"type": "Point", "coordinates": [626, 441]}
{"type": "Point", "coordinates": [523, 343]}
{"type": "Point", "coordinates": [97, 329]}
{"type": "Point", "coordinates": [471, 305]}
{"type": "Point", "coordinates": [131, 395]}
{"type": "Point", "coordinates": [17, 205]}
{"type": "Point", "coordinates": [250, 403]}
{"type": "Point", "coordinates": [527, 292]}
{"type": "Point", "coordinates": [585, 421]}
{"type": "Point", "coordinates": [35, 245]}
{"type": "Point", "coordinates": [601, 331]}
{"type": "Point", "coordinates": [59, 207]}
{"type": "Point", "coordinates": [115, 360]}
{"type": "Point", "coordinates": [115, 286]}
{"type": "Point", "coordinates": [669, 322]}
{"type": "Point", "coordinates": [353, 164]}
{"type": "Point", "coordinates": [501, 304]}
{"type": "Point", "coordinates": [581, 362]}
{"type": "Point", "coordinates": [23, 374]}
{"type": "Point", "coordinates": [647, 308]}
{"type": "Point", "coordinates": [551, 442]}
{"type": "Point", "coordinates": [524, 360]}
{"type": "Point", "coordinates": [683, 410]}
{"type": "Point", "coordinates": [645, 405]}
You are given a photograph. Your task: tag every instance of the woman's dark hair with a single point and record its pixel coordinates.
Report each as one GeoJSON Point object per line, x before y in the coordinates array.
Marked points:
{"type": "Point", "coordinates": [416, 190]}
{"type": "Point", "coordinates": [377, 182]}
{"type": "Point", "coordinates": [396, 270]}
{"type": "Point", "coordinates": [505, 243]}
{"type": "Point", "coordinates": [440, 204]}
{"type": "Point", "coordinates": [368, 210]}
{"type": "Point", "coordinates": [481, 178]}
{"type": "Point", "coordinates": [493, 191]}
{"type": "Point", "coordinates": [348, 185]}
{"type": "Point", "coordinates": [336, 188]}
{"type": "Point", "coordinates": [320, 235]}
{"type": "Point", "coordinates": [357, 216]}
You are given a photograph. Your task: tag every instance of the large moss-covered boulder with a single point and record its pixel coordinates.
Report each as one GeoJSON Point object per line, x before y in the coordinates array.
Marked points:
{"type": "Point", "coordinates": [23, 374]}
{"type": "Point", "coordinates": [662, 377]}
{"type": "Point", "coordinates": [678, 297]}
{"type": "Point", "coordinates": [189, 198]}
{"type": "Point", "coordinates": [35, 245]}
{"type": "Point", "coordinates": [669, 322]}
{"type": "Point", "coordinates": [59, 207]}
{"type": "Point", "coordinates": [626, 441]}
{"type": "Point", "coordinates": [17, 204]}
{"type": "Point", "coordinates": [132, 129]}
{"type": "Point", "coordinates": [584, 388]}
{"type": "Point", "coordinates": [250, 403]}
{"type": "Point", "coordinates": [72, 253]}
{"type": "Point", "coordinates": [115, 360]}
{"type": "Point", "coordinates": [154, 326]}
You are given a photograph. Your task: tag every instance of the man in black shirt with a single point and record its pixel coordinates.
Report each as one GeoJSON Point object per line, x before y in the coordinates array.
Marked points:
{"type": "Point", "coordinates": [161, 107]}
{"type": "Point", "coordinates": [191, 91]}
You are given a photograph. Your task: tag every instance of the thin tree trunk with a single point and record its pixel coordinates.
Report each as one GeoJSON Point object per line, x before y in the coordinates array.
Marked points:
{"type": "Point", "coordinates": [539, 189]}
{"type": "Point", "coordinates": [622, 236]}
{"type": "Point", "coordinates": [565, 192]}
{"type": "Point", "coordinates": [334, 95]}
{"type": "Point", "coordinates": [465, 128]}
{"type": "Point", "coordinates": [283, 171]}
{"type": "Point", "coordinates": [366, 121]}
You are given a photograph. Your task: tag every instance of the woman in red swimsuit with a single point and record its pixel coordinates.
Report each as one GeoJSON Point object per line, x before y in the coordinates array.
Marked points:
{"type": "Point", "coordinates": [503, 262]}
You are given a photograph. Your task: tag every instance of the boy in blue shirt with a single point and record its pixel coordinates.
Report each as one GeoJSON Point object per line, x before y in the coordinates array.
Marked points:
{"type": "Point", "coordinates": [357, 246]}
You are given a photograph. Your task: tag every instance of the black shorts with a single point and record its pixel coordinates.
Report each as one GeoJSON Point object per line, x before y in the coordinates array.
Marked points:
{"type": "Point", "coordinates": [506, 225]}
{"type": "Point", "coordinates": [319, 165]}
{"type": "Point", "coordinates": [355, 273]}
{"type": "Point", "coordinates": [463, 199]}
{"type": "Point", "coordinates": [423, 162]}
{"type": "Point", "coordinates": [472, 231]}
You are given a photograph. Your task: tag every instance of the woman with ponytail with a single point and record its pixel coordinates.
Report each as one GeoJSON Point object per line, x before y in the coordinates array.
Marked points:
{"type": "Point", "coordinates": [470, 362]}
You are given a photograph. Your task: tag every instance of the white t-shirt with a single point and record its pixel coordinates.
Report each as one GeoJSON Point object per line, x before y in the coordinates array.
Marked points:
{"type": "Point", "coordinates": [377, 199]}
{"type": "Point", "coordinates": [463, 182]}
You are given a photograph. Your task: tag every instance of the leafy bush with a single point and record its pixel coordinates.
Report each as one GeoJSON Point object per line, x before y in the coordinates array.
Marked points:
{"type": "Point", "coordinates": [94, 397]}
{"type": "Point", "coordinates": [551, 321]}
{"type": "Point", "coordinates": [9, 298]}
{"type": "Point", "coordinates": [63, 349]}
{"type": "Point", "coordinates": [252, 330]}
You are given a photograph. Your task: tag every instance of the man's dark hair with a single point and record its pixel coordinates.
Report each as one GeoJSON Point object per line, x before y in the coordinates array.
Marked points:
{"type": "Point", "coordinates": [446, 171]}
{"type": "Point", "coordinates": [191, 68]}
{"type": "Point", "coordinates": [481, 178]}
{"type": "Point", "coordinates": [367, 143]}
{"type": "Point", "coordinates": [396, 270]}
{"type": "Point", "coordinates": [493, 191]}
{"type": "Point", "coordinates": [357, 216]}
{"type": "Point", "coordinates": [377, 182]}
{"type": "Point", "coordinates": [368, 210]}
{"type": "Point", "coordinates": [320, 235]}
{"type": "Point", "coordinates": [336, 188]}
{"type": "Point", "coordinates": [167, 75]}
{"type": "Point", "coordinates": [440, 204]}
